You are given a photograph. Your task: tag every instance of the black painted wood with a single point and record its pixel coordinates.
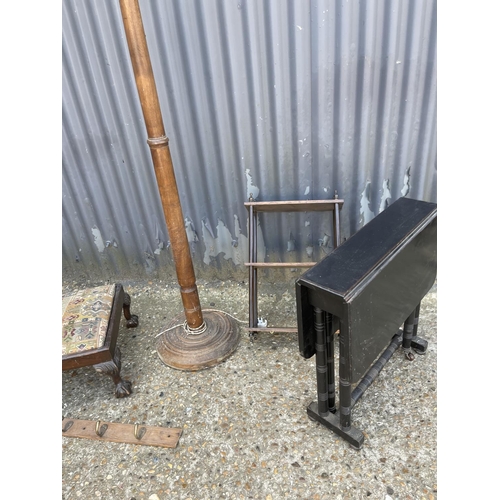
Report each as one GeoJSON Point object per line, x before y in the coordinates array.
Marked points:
{"type": "Point", "coordinates": [372, 282]}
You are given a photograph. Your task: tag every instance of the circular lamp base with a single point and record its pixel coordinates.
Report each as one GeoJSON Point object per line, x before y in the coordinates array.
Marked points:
{"type": "Point", "coordinates": [187, 351]}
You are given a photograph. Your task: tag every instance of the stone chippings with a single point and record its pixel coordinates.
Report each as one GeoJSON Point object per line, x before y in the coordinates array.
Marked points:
{"type": "Point", "coordinates": [246, 433]}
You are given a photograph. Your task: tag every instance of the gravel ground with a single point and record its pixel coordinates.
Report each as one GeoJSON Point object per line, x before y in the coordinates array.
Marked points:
{"type": "Point", "coordinates": [246, 433]}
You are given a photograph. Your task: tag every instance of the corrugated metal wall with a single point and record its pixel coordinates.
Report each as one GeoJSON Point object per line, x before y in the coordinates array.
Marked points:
{"type": "Point", "coordinates": [282, 99]}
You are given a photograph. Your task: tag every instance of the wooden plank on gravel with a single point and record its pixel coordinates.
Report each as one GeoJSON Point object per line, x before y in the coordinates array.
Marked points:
{"type": "Point", "coordinates": [121, 433]}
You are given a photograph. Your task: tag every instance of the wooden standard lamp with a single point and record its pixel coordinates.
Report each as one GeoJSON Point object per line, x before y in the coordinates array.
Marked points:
{"type": "Point", "coordinates": [203, 340]}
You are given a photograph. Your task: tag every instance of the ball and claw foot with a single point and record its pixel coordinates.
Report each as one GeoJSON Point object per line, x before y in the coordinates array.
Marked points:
{"type": "Point", "coordinates": [123, 389]}
{"type": "Point", "coordinates": [133, 321]}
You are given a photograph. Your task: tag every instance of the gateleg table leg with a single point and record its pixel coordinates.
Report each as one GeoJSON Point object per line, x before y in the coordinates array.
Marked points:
{"type": "Point", "coordinates": [340, 422]}
{"type": "Point", "coordinates": [418, 344]}
{"type": "Point", "coordinates": [330, 360]}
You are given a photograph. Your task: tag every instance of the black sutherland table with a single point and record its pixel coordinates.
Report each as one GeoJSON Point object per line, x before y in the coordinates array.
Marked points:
{"type": "Point", "coordinates": [367, 288]}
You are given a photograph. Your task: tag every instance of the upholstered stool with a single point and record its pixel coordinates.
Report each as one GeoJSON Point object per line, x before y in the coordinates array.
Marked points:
{"type": "Point", "coordinates": [90, 326]}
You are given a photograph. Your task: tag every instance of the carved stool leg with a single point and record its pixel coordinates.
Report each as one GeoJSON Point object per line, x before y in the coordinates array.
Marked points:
{"type": "Point", "coordinates": [112, 368]}
{"type": "Point", "coordinates": [132, 319]}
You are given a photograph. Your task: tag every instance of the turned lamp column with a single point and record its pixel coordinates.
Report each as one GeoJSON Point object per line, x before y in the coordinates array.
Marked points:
{"type": "Point", "coordinates": [160, 152]}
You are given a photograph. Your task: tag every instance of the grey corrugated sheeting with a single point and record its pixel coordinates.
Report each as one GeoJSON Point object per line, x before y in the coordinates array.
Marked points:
{"type": "Point", "coordinates": [282, 99]}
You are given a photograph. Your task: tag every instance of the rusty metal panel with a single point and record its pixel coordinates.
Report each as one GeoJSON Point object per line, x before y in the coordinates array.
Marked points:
{"type": "Point", "coordinates": [283, 99]}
